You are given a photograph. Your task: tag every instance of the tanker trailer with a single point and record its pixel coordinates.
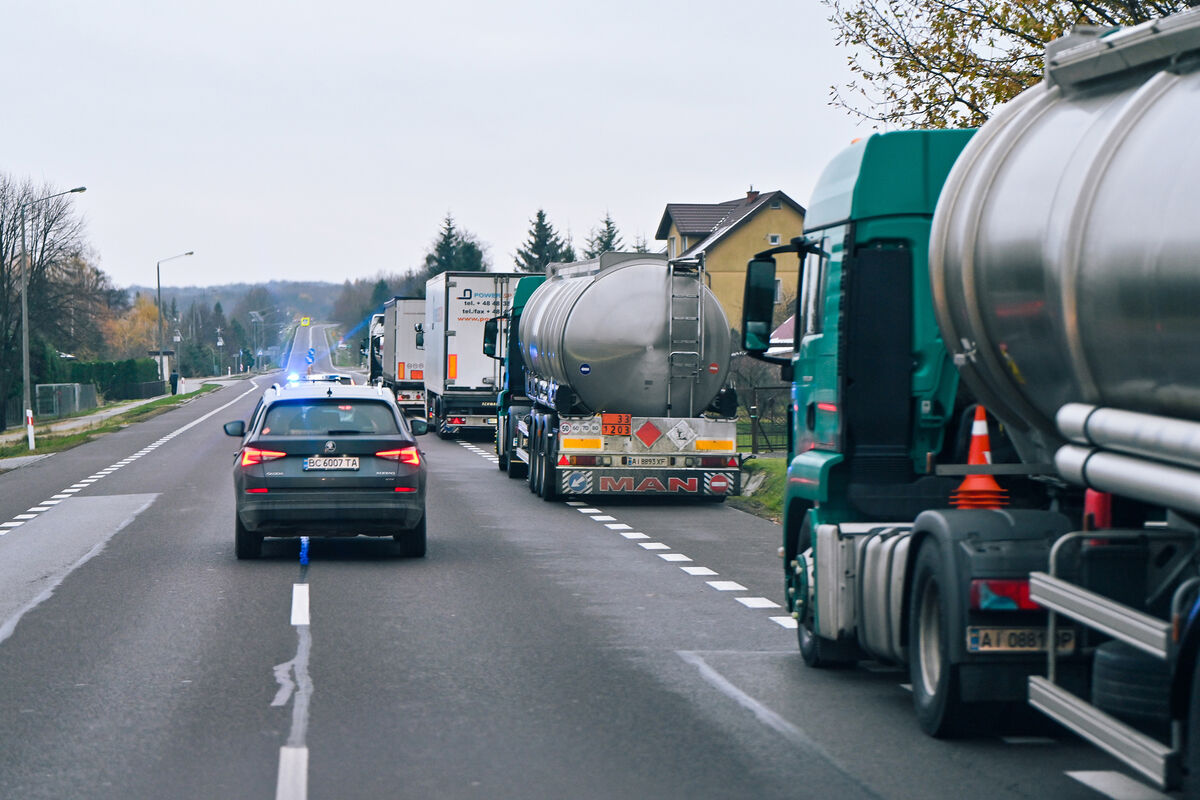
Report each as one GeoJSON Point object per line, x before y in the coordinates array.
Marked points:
{"type": "Point", "coordinates": [626, 357]}
{"type": "Point", "coordinates": [1057, 276]}
{"type": "Point", "coordinates": [1065, 277]}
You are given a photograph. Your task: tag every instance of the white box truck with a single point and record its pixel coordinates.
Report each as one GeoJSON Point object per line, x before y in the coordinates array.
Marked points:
{"type": "Point", "coordinates": [403, 362]}
{"type": "Point", "coordinates": [460, 381]}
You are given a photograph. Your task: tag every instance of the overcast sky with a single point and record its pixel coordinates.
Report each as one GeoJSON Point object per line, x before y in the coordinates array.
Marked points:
{"type": "Point", "coordinates": [290, 139]}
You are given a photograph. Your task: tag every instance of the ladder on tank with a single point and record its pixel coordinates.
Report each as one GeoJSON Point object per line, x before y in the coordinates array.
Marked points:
{"type": "Point", "coordinates": [685, 328]}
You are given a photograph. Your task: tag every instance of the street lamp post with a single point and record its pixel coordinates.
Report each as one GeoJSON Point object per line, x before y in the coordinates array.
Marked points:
{"type": "Point", "coordinates": [25, 312]}
{"type": "Point", "coordinates": [158, 280]}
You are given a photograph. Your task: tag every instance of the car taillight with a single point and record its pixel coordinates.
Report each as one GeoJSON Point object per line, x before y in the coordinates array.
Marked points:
{"type": "Point", "coordinates": [1001, 595]}
{"type": "Point", "coordinates": [405, 455]}
{"type": "Point", "coordinates": [256, 491]}
{"type": "Point", "coordinates": [253, 455]}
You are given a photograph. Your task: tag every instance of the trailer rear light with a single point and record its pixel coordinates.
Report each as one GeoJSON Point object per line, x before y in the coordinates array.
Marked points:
{"type": "Point", "coordinates": [1001, 595]}
{"type": "Point", "coordinates": [718, 461]}
{"type": "Point", "coordinates": [405, 455]}
{"type": "Point", "coordinates": [456, 421]}
{"type": "Point", "coordinates": [253, 455]}
{"type": "Point", "coordinates": [406, 488]}
{"type": "Point", "coordinates": [256, 491]}
{"type": "Point", "coordinates": [581, 461]}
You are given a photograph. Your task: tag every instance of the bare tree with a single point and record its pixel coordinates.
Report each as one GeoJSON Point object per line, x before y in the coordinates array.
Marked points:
{"type": "Point", "coordinates": [949, 63]}
{"type": "Point", "coordinates": [55, 244]}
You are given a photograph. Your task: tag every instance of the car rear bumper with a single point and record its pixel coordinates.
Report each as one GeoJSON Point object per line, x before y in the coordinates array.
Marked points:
{"type": "Point", "coordinates": [325, 513]}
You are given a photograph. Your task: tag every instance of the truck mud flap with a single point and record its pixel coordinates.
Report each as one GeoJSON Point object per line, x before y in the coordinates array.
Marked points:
{"type": "Point", "coordinates": [641, 481]}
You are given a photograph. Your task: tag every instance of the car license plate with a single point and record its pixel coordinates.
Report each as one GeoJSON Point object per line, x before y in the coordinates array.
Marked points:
{"type": "Point", "coordinates": [331, 462]}
{"type": "Point", "coordinates": [1016, 640]}
{"type": "Point", "coordinates": [648, 461]}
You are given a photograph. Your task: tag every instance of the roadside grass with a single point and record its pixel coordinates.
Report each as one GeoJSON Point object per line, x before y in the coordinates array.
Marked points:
{"type": "Point", "coordinates": [48, 442]}
{"type": "Point", "coordinates": [766, 499]}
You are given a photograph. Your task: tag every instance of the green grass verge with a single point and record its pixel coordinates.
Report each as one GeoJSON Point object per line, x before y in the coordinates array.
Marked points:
{"type": "Point", "coordinates": [767, 499]}
{"type": "Point", "coordinates": [53, 443]}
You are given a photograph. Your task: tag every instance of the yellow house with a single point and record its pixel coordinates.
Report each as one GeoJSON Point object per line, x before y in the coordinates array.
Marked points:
{"type": "Point", "coordinates": [729, 234]}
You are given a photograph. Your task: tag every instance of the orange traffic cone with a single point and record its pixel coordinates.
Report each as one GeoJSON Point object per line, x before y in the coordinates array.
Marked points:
{"type": "Point", "coordinates": [979, 491]}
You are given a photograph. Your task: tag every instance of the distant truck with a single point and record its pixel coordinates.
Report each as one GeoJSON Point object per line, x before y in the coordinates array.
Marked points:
{"type": "Point", "coordinates": [402, 359]}
{"type": "Point", "coordinates": [513, 406]}
{"type": "Point", "coordinates": [625, 359]}
{"type": "Point", "coordinates": [460, 381]}
{"type": "Point", "coordinates": [1044, 269]}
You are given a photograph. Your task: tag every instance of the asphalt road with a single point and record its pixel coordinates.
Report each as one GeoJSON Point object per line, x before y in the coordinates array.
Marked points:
{"type": "Point", "coordinates": [626, 649]}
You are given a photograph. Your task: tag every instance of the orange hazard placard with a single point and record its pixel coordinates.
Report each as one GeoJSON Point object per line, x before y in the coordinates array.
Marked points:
{"type": "Point", "coordinates": [616, 424]}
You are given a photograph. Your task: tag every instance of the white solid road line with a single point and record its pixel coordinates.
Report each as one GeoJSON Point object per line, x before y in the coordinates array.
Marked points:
{"type": "Point", "coordinates": [1117, 785]}
{"type": "Point", "coordinates": [292, 782]}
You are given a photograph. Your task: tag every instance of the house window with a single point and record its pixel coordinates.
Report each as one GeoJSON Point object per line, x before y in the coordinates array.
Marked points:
{"type": "Point", "coordinates": [671, 247]}
{"type": "Point", "coordinates": [778, 290]}
{"type": "Point", "coordinates": [776, 204]}
{"type": "Point", "coordinates": [774, 238]}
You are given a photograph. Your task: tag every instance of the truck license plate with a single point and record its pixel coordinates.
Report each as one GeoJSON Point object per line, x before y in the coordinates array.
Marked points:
{"type": "Point", "coordinates": [331, 462]}
{"type": "Point", "coordinates": [1016, 640]}
{"type": "Point", "coordinates": [647, 461]}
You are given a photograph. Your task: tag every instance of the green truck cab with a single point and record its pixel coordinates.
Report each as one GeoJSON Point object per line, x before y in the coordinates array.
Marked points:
{"type": "Point", "coordinates": [500, 341]}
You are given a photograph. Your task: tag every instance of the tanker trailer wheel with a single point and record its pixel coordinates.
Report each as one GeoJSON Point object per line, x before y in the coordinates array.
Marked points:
{"type": "Point", "coordinates": [935, 683]}
{"type": "Point", "coordinates": [817, 651]}
{"type": "Point", "coordinates": [1191, 747]}
{"type": "Point", "coordinates": [535, 445]}
{"type": "Point", "coordinates": [549, 480]}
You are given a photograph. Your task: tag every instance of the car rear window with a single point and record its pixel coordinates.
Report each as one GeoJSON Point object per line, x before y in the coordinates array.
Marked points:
{"type": "Point", "coordinates": [327, 417]}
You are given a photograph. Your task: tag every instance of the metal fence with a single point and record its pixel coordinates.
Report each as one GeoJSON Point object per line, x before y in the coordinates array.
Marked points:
{"type": "Point", "coordinates": [765, 428]}
{"type": "Point", "coordinates": [60, 399]}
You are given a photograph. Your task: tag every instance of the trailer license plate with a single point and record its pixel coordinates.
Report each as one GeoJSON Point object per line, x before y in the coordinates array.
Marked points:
{"type": "Point", "coordinates": [331, 462]}
{"type": "Point", "coordinates": [1016, 640]}
{"type": "Point", "coordinates": [616, 424]}
{"type": "Point", "coordinates": [647, 461]}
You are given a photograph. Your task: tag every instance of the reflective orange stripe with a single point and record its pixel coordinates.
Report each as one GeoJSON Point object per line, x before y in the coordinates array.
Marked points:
{"type": "Point", "coordinates": [452, 369]}
{"type": "Point", "coordinates": [399, 370]}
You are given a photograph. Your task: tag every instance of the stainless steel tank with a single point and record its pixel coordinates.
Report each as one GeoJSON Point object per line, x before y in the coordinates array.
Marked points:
{"type": "Point", "coordinates": [605, 328]}
{"type": "Point", "coordinates": [1065, 250]}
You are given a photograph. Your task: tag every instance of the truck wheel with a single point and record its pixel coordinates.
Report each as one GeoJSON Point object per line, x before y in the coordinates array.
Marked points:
{"type": "Point", "coordinates": [1132, 686]}
{"type": "Point", "coordinates": [821, 653]}
{"type": "Point", "coordinates": [246, 543]}
{"type": "Point", "coordinates": [1191, 747]}
{"type": "Point", "coordinates": [535, 460]}
{"type": "Point", "coordinates": [501, 452]}
{"type": "Point", "coordinates": [940, 710]}
{"type": "Point", "coordinates": [516, 469]}
{"type": "Point", "coordinates": [549, 470]}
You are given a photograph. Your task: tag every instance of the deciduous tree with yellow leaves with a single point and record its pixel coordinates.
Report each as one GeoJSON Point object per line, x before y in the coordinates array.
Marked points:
{"type": "Point", "coordinates": [949, 63]}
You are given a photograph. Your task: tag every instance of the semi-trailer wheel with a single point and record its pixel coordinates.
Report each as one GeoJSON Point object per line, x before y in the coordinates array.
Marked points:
{"type": "Point", "coordinates": [549, 469]}
{"type": "Point", "coordinates": [1132, 686]}
{"type": "Point", "coordinates": [535, 460]}
{"type": "Point", "coordinates": [935, 683]}
{"type": "Point", "coordinates": [246, 543]}
{"type": "Point", "coordinates": [1191, 746]}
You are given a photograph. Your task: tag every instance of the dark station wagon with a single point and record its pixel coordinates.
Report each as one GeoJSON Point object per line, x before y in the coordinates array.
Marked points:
{"type": "Point", "coordinates": [327, 459]}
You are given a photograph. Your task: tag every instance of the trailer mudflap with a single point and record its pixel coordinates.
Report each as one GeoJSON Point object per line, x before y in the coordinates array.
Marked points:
{"type": "Point", "coordinates": [649, 481]}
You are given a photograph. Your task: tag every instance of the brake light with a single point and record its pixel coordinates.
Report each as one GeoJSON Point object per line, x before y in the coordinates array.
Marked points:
{"type": "Point", "coordinates": [406, 488]}
{"type": "Point", "coordinates": [256, 491]}
{"type": "Point", "coordinates": [456, 421]}
{"type": "Point", "coordinates": [405, 455]}
{"type": "Point", "coordinates": [253, 455]}
{"type": "Point", "coordinates": [1002, 595]}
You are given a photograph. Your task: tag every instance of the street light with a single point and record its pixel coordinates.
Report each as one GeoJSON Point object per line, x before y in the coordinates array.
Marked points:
{"type": "Point", "coordinates": [25, 310]}
{"type": "Point", "coordinates": [158, 279]}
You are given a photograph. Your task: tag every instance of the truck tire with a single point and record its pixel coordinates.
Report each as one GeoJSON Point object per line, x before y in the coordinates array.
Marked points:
{"type": "Point", "coordinates": [935, 683]}
{"type": "Point", "coordinates": [516, 469]}
{"type": "Point", "coordinates": [1132, 686]}
{"type": "Point", "coordinates": [821, 653]}
{"type": "Point", "coordinates": [246, 543]}
{"type": "Point", "coordinates": [1191, 746]}
{"type": "Point", "coordinates": [549, 490]}
{"type": "Point", "coordinates": [535, 444]}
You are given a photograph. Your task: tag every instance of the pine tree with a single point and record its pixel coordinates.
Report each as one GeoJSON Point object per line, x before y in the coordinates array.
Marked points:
{"type": "Point", "coordinates": [543, 246]}
{"type": "Point", "coordinates": [454, 250]}
{"type": "Point", "coordinates": [603, 239]}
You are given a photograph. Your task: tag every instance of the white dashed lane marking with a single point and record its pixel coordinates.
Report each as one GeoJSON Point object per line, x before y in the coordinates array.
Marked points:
{"type": "Point", "coordinates": [64, 494]}
{"type": "Point", "coordinates": [610, 522]}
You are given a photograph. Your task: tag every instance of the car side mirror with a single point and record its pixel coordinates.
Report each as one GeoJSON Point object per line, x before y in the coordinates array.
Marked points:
{"type": "Point", "coordinates": [235, 428]}
{"type": "Point", "coordinates": [419, 425]}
